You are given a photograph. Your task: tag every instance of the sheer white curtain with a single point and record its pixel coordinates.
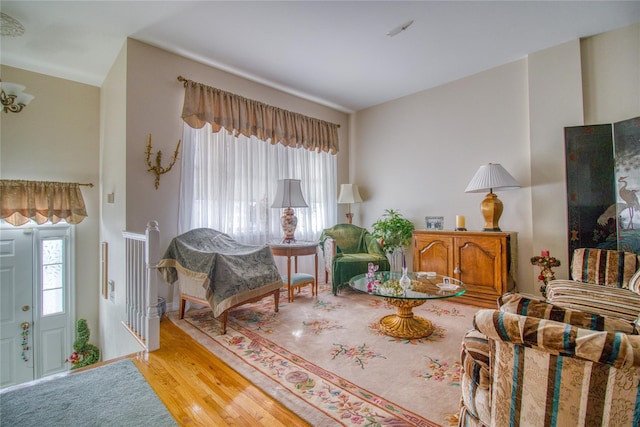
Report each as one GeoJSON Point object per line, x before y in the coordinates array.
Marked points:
{"type": "Point", "coordinates": [229, 183]}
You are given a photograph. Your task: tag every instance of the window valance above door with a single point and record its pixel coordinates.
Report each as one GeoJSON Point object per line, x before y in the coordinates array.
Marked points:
{"type": "Point", "coordinates": [41, 201]}
{"type": "Point", "coordinates": [205, 104]}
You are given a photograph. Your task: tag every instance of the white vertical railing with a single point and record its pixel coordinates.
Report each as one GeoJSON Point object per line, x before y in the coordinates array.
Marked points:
{"type": "Point", "coordinates": [142, 254]}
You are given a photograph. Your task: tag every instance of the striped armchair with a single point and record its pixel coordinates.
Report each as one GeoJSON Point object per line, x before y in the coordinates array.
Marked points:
{"type": "Point", "coordinates": [534, 364]}
{"type": "Point", "coordinates": [603, 281]}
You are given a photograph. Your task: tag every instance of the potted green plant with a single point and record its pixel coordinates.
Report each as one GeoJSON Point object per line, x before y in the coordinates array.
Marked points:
{"type": "Point", "coordinates": [84, 354]}
{"type": "Point", "coordinates": [394, 232]}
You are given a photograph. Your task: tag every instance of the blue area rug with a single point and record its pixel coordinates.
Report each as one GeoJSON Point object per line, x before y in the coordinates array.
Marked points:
{"type": "Point", "coordinates": [115, 394]}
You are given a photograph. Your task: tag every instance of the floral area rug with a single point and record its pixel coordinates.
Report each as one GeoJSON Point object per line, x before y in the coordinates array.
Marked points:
{"type": "Point", "coordinates": [324, 357]}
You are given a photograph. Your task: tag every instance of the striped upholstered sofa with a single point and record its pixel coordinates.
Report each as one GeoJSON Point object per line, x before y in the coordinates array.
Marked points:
{"type": "Point", "coordinates": [602, 281]}
{"type": "Point", "coordinates": [532, 364]}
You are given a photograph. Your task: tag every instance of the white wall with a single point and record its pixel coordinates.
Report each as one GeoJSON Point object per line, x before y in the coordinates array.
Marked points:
{"type": "Point", "coordinates": [116, 340]}
{"type": "Point", "coordinates": [56, 138]}
{"type": "Point", "coordinates": [611, 75]}
{"type": "Point", "coordinates": [555, 101]}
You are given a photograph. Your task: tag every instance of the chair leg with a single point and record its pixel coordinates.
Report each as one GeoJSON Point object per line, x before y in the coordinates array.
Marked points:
{"type": "Point", "coordinates": [276, 299]}
{"type": "Point", "coordinates": [183, 303]}
{"type": "Point", "coordinates": [223, 319]}
{"type": "Point", "coordinates": [336, 289]}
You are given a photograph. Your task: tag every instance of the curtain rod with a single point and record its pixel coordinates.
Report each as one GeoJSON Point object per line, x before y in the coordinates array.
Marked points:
{"type": "Point", "coordinates": [89, 184]}
{"type": "Point", "coordinates": [185, 81]}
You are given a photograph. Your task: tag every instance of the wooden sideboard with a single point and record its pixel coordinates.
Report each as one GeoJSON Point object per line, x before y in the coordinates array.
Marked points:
{"type": "Point", "coordinates": [483, 261]}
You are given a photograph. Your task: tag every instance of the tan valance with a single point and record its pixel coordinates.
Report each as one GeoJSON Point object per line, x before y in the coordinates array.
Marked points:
{"type": "Point", "coordinates": [41, 201]}
{"type": "Point", "coordinates": [205, 104]}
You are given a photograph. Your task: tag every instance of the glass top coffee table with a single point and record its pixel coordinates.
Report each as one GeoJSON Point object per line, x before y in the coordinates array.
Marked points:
{"type": "Point", "coordinates": [423, 287]}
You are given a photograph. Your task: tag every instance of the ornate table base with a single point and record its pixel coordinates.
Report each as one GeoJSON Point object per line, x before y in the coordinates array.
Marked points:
{"type": "Point", "coordinates": [404, 324]}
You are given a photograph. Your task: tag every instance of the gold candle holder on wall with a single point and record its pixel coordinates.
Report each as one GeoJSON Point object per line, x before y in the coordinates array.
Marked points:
{"type": "Point", "coordinates": [157, 169]}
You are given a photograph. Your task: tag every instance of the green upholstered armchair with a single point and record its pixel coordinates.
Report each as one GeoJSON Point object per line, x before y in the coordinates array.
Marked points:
{"type": "Point", "coordinates": [348, 250]}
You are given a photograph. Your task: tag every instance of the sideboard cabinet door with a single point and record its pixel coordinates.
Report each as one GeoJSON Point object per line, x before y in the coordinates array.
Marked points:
{"type": "Point", "coordinates": [433, 252]}
{"type": "Point", "coordinates": [481, 262]}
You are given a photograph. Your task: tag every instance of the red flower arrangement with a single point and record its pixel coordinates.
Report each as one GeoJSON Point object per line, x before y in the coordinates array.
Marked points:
{"type": "Point", "coordinates": [74, 359]}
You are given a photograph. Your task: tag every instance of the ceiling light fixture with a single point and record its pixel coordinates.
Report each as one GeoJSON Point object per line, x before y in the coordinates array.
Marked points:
{"type": "Point", "coordinates": [9, 26]}
{"type": "Point", "coordinates": [399, 29]}
{"type": "Point", "coordinates": [13, 98]}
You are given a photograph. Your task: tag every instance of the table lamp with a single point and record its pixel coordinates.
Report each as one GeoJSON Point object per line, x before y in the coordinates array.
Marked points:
{"type": "Point", "coordinates": [289, 195]}
{"type": "Point", "coordinates": [488, 178]}
{"type": "Point", "coordinates": [349, 194]}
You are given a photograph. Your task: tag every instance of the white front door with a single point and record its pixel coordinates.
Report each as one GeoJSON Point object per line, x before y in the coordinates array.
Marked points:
{"type": "Point", "coordinates": [37, 317]}
{"type": "Point", "coordinates": [16, 311]}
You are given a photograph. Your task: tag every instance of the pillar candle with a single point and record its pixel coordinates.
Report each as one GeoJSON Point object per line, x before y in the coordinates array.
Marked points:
{"type": "Point", "coordinates": [544, 253]}
{"type": "Point", "coordinates": [460, 221]}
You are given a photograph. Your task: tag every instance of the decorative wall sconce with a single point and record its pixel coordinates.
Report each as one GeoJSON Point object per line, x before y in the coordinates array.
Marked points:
{"type": "Point", "coordinates": [13, 98]}
{"type": "Point", "coordinates": [157, 169]}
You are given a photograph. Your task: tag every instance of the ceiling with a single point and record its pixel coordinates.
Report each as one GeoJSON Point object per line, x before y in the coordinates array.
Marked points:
{"type": "Point", "coordinates": [336, 53]}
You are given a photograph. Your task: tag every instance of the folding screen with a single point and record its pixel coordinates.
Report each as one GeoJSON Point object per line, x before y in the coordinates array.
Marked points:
{"type": "Point", "coordinates": [603, 178]}
{"type": "Point", "coordinates": [590, 186]}
{"type": "Point", "coordinates": [626, 141]}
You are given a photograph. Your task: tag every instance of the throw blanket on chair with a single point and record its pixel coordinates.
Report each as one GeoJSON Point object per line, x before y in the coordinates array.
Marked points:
{"type": "Point", "coordinates": [232, 272]}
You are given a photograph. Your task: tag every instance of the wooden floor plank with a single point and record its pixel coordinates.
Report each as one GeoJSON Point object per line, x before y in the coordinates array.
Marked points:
{"type": "Point", "coordinates": [199, 389]}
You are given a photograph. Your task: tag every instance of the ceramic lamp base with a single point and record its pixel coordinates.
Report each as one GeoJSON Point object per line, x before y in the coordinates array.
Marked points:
{"type": "Point", "coordinates": [491, 208]}
{"type": "Point", "coordinates": [289, 223]}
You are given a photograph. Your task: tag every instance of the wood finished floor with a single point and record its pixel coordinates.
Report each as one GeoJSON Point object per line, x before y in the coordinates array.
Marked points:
{"type": "Point", "coordinates": [199, 389]}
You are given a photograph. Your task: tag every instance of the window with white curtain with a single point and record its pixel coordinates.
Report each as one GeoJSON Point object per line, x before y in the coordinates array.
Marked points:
{"type": "Point", "coordinates": [229, 184]}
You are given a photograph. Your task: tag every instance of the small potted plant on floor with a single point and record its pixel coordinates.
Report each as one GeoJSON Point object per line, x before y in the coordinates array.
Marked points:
{"type": "Point", "coordinates": [84, 353]}
{"type": "Point", "coordinates": [394, 232]}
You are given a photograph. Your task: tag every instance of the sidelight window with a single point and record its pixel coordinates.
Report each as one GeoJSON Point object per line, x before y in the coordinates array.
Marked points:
{"type": "Point", "coordinates": [52, 273]}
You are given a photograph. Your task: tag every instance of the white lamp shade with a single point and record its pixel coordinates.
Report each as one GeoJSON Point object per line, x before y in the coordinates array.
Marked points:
{"type": "Point", "coordinates": [17, 90]}
{"type": "Point", "coordinates": [491, 177]}
{"type": "Point", "coordinates": [289, 194]}
{"type": "Point", "coordinates": [11, 88]}
{"type": "Point", "coordinates": [24, 98]}
{"type": "Point", "coordinates": [349, 194]}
